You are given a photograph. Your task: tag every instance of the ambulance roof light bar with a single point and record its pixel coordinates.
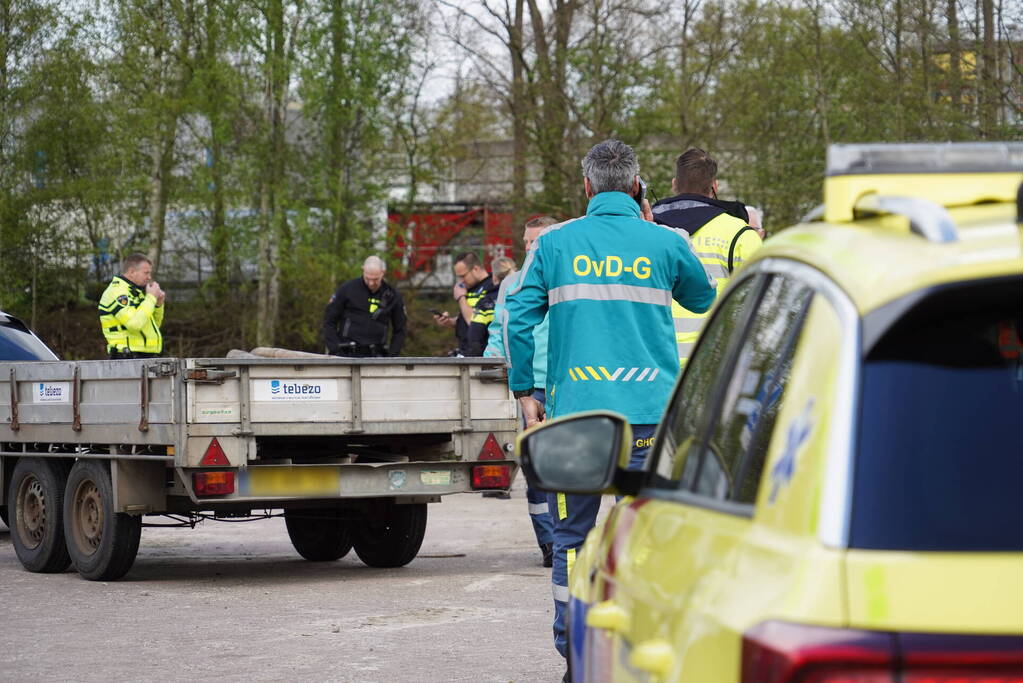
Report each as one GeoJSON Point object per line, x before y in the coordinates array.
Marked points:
{"type": "Point", "coordinates": [925, 157]}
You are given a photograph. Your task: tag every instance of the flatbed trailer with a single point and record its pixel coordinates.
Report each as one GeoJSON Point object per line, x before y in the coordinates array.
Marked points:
{"type": "Point", "coordinates": [352, 450]}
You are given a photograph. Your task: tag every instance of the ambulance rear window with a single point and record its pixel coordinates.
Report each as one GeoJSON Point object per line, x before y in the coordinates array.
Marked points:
{"type": "Point", "coordinates": [939, 461]}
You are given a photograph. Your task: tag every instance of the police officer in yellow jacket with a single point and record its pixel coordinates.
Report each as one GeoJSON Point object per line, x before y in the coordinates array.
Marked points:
{"type": "Point", "coordinates": [131, 311]}
{"type": "Point", "coordinates": [720, 232]}
{"type": "Point", "coordinates": [475, 293]}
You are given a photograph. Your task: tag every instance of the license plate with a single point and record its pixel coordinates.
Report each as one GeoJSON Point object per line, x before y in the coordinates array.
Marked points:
{"type": "Point", "coordinates": [293, 481]}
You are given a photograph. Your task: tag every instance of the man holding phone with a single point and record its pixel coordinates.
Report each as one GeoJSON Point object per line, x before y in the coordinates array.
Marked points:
{"type": "Point", "coordinates": [722, 232]}
{"type": "Point", "coordinates": [474, 293]}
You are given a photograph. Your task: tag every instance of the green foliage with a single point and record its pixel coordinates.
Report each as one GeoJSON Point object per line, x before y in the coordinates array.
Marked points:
{"type": "Point", "coordinates": [269, 135]}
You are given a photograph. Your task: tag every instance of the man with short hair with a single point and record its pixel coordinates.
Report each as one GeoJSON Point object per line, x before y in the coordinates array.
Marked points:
{"type": "Point", "coordinates": [131, 311]}
{"type": "Point", "coordinates": [474, 293]}
{"type": "Point", "coordinates": [539, 514]}
{"type": "Point", "coordinates": [720, 231]}
{"type": "Point", "coordinates": [606, 282]}
{"type": "Point", "coordinates": [358, 314]}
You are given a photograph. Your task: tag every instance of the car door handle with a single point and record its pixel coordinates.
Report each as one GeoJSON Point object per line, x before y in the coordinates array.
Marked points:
{"type": "Point", "coordinates": [609, 616]}
{"type": "Point", "coordinates": [653, 656]}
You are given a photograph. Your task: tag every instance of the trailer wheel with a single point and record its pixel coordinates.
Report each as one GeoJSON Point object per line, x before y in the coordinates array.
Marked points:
{"type": "Point", "coordinates": [35, 508]}
{"type": "Point", "coordinates": [318, 535]}
{"type": "Point", "coordinates": [102, 543]}
{"type": "Point", "coordinates": [395, 540]}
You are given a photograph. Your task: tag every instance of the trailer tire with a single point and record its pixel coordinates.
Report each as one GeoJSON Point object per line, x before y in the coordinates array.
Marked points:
{"type": "Point", "coordinates": [36, 508]}
{"type": "Point", "coordinates": [102, 543]}
{"type": "Point", "coordinates": [395, 540]}
{"type": "Point", "coordinates": [319, 535]}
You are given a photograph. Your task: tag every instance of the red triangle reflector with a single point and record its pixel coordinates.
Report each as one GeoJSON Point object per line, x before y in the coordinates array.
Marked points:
{"type": "Point", "coordinates": [491, 449]}
{"type": "Point", "coordinates": [214, 455]}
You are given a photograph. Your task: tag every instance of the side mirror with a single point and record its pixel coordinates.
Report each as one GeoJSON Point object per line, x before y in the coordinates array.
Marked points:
{"type": "Point", "coordinates": [577, 453]}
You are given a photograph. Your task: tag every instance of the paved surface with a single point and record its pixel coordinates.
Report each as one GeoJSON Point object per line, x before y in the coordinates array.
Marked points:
{"type": "Point", "coordinates": [234, 602]}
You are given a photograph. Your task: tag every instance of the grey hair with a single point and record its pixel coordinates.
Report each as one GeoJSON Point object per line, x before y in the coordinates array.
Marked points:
{"type": "Point", "coordinates": [611, 166]}
{"type": "Point", "coordinates": [373, 263]}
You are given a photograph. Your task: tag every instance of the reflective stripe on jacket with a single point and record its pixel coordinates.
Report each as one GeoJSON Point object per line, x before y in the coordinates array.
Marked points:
{"type": "Point", "coordinates": [130, 318]}
{"type": "Point", "coordinates": [471, 339]}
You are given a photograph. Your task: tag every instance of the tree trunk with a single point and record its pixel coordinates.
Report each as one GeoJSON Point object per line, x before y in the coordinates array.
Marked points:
{"type": "Point", "coordinates": [988, 89]}
{"type": "Point", "coordinates": [336, 163]}
{"type": "Point", "coordinates": [900, 113]}
{"type": "Point", "coordinates": [955, 57]}
{"type": "Point", "coordinates": [273, 218]}
{"type": "Point", "coordinates": [220, 239]}
{"type": "Point", "coordinates": [553, 134]}
{"type": "Point", "coordinates": [818, 68]}
{"type": "Point", "coordinates": [269, 275]}
{"type": "Point", "coordinates": [518, 112]}
{"type": "Point", "coordinates": [164, 136]}
{"type": "Point", "coordinates": [159, 179]}
{"type": "Point", "coordinates": [6, 196]}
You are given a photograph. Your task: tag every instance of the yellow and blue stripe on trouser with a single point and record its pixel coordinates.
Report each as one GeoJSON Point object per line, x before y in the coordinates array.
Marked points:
{"type": "Point", "coordinates": [573, 517]}
{"type": "Point", "coordinates": [539, 509]}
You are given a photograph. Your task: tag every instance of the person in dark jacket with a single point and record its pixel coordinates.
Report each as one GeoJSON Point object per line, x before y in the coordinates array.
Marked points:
{"type": "Point", "coordinates": [358, 314]}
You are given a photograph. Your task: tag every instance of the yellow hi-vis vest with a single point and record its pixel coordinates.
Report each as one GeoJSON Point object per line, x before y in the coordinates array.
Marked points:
{"type": "Point", "coordinates": [711, 244]}
{"type": "Point", "coordinates": [130, 318]}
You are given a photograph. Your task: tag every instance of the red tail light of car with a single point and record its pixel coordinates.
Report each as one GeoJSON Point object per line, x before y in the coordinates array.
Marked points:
{"type": "Point", "coordinates": [781, 652]}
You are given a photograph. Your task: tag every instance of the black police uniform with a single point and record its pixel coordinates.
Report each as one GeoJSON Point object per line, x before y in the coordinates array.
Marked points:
{"type": "Point", "coordinates": [355, 322]}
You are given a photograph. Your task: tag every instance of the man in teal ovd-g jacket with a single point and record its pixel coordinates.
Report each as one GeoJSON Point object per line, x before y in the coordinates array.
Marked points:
{"type": "Point", "coordinates": [605, 282]}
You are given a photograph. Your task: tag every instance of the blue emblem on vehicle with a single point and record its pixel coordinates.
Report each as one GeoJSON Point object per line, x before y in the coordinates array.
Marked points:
{"type": "Point", "coordinates": [41, 389]}
{"type": "Point", "coordinates": [275, 386]}
{"type": "Point", "coordinates": [798, 432]}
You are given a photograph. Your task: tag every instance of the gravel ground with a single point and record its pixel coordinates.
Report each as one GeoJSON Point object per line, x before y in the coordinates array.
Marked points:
{"type": "Point", "coordinates": [234, 602]}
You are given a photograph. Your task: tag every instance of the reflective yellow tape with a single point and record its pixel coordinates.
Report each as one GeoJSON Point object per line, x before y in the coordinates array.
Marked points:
{"type": "Point", "coordinates": [571, 373]}
{"type": "Point", "coordinates": [562, 506]}
{"type": "Point", "coordinates": [606, 374]}
{"type": "Point", "coordinates": [593, 372]}
{"type": "Point", "coordinates": [570, 556]}
{"type": "Point", "coordinates": [582, 375]}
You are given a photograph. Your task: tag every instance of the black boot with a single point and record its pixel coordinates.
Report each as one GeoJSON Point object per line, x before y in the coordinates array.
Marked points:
{"type": "Point", "coordinates": [548, 554]}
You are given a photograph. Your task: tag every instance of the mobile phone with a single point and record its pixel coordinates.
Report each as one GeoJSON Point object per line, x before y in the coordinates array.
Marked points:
{"type": "Point", "coordinates": [641, 195]}
{"type": "Point", "coordinates": [435, 311]}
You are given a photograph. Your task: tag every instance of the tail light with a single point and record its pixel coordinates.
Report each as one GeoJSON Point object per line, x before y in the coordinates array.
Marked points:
{"type": "Point", "coordinates": [942, 658]}
{"type": "Point", "coordinates": [491, 449]}
{"type": "Point", "coordinates": [213, 483]}
{"type": "Point", "coordinates": [780, 652]}
{"type": "Point", "coordinates": [491, 476]}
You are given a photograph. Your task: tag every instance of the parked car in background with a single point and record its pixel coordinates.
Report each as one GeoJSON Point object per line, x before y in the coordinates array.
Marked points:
{"type": "Point", "coordinates": [834, 490]}
{"type": "Point", "coordinates": [17, 342]}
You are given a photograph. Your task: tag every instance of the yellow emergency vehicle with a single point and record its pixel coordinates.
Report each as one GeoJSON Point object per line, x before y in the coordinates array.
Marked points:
{"type": "Point", "coordinates": [834, 492]}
